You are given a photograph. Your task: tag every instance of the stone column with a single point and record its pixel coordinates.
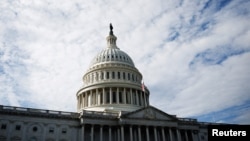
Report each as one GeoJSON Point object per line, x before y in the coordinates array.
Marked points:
{"type": "Point", "coordinates": [92, 132]}
{"type": "Point", "coordinates": [139, 133]}
{"type": "Point", "coordinates": [147, 133]}
{"type": "Point", "coordinates": [91, 97]}
{"type": "Point", "coordinates": [124, 96]}
{"type": "Point", "coordinates": [110, 134]}
{"type": "Point", "coordinates": [103, 96]}
{"type": "Point", "coordinates": [78, 102]}
{"type": "Point", "coordinates": [186, 135]}
{"type": "Point", "coordinates": [142, 98]}
{"type": "Point", "coordinates": [178, 135]}
{"type": "Point", "coordinates": [155, 133]}
{"type": "Point", "coordinates": [195, 136]}
{"type": "Point", "coordinates": [104, 75]}
{"type": "Point", "coordinates": [117, 96]}
{"type": "Point", "coordinates": [82, 134]}
{"type": "Point", "coordinates": [145, 99]}
{"type": "Point", "coordinates": [163, 134]}
{"type": "Point", "coordinates": [81, 102]}
{"type": "Point", "coordinates": [137, 97]}
{"type": "Point", "coordinates": [97, 97]}
{"type": "Point", "coordinates": [122, 133]}
{"type": "Point", "coordinates": [110, 96]}
{"type": "Point", "coordinates": [86, 99]}
{"type": "Point", "coordinates": [141, 102]}
{"type": "Point", "coordinates": [23, 131]}
{"type": "Point", "coordinates": [99, 74]}
{"type": "Point", "coordinates": [170, 134]}
{"type": "Point", "coordinates": [148, 101]}
{"type": "Point", "coordinates": [131, 133]}
{"type": "Point", "coordinates": [131, 96]}
{"type": "Point", "coordinates": [101, 133]}
{"type": "Point", "coordinates": [118, 134]}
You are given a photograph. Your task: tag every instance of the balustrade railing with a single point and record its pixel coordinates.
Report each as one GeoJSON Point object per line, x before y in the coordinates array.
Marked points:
{"type": "Point", "coordinates": [37, 111]}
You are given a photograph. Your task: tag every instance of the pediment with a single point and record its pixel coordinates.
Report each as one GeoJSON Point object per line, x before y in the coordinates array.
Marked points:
{"type": "Point", "coordinates": [150, 113]}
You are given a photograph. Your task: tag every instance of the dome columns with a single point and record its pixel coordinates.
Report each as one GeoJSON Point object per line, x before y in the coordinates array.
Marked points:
{"type": "Point", "coordinates": [112, 97]}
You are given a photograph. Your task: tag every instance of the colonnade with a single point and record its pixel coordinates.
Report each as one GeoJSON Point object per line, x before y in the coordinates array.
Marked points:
{"type": "Point", "coordinates": [90, 132]}
{"type": "Point", "coordinates": [112, 95]}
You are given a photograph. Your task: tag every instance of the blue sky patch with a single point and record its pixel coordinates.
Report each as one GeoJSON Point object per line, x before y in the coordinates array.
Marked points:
{"type": "Point", "coordinates": [217, 5]}
{"type": "Point", "coordinates": [216, 56]}
{"type": "Point", "coordinates": [226, 115]}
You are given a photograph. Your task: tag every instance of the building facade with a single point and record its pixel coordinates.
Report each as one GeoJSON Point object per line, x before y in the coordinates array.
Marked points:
{"type": "Point", "coordinates": [112, 105]}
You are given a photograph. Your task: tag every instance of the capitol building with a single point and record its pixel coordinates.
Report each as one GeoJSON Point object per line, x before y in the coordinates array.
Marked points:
{"type": "Point", "coordinates": [112, 105]}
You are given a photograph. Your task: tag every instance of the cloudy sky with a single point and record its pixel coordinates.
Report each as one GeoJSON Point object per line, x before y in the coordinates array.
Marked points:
{"type": "Point", "coordinates": [194, 54]}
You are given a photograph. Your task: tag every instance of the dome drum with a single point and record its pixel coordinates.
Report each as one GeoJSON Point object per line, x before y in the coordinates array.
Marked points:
{"type": "Point", "coordinates": [114, 75]}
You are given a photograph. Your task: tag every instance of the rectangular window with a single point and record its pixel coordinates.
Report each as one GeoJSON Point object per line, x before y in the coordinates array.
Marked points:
{"type": "Point", "coordinates": [107, 75]}
{"type": "Point", "coordinates": [128, 76]}
{"type": "Point", "coordinates": [18, 127]}
{"type": "Point", "coordinates": [113, 75]}
{"type": "Point", "coordinates": [118, 75]}
{"type": "Point", "coordinates": [64, 130]}
{"type": "Point", "coordinates": [51, 130]}
{"type": "Point", "coordinates": [3, 126]}
{"type": "Point", "coordinates": [124, 75]}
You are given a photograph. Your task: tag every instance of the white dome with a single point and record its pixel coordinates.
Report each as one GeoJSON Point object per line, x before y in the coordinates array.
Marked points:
{"type": "Point", "coordinates": [112, 83]}
{"type": "Point", "coordinates": [112, 55]}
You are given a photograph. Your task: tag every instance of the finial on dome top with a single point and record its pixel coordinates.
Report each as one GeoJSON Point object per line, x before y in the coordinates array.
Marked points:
{"type": "Point", "coordinates": [111, 39]}
{"type": "Point", "coordinates": [111, 29]}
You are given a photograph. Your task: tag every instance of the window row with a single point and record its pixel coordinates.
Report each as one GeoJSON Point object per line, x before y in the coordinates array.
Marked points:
{"type": "Point", "coordinates": [112, 57]}
{"type": "Point", "coordinates": [104, 75]}
{"type": "Point", "coordinates": [34, 128]}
